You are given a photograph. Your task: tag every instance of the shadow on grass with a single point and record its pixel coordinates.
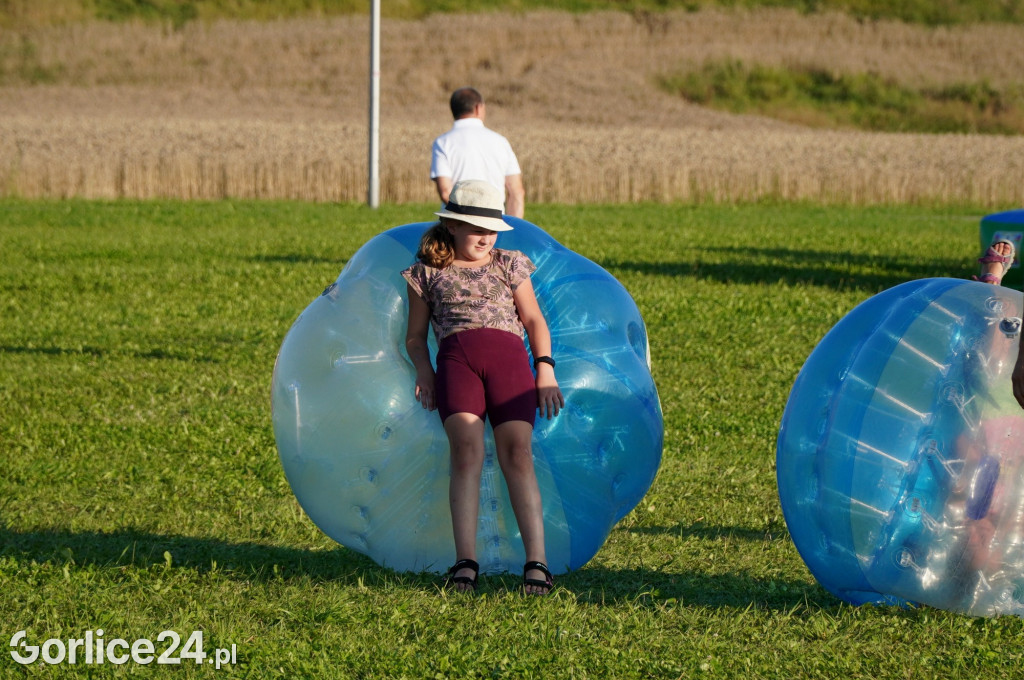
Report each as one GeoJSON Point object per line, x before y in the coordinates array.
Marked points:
{"type": "Point", "coordinates": [127, 548]}
{"type": "Point", "coordinates": [657, 584]}
{"type": "Point", "coordinates": [102, 353]}
{"type": "Point", "coordinates": [652, 588]}
{"type": "Point", "coordinates": [298, 258]}
{"type": "Point", "coordinates": [643, 587]}
{"type": "Point", "coordinates": [841, 270]}
{"type": "Point", "coordinates": [710, 532]}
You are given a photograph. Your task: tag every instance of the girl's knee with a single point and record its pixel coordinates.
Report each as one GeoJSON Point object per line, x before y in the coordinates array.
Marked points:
{"type": "Point", "coordinates": [514, 443]}
{"type": "Point", "coordinates": [466, 455]}
{"type": "Point", "coordinates": [465, 439]}
{"type": "Point", "coordinates": [516, 459]}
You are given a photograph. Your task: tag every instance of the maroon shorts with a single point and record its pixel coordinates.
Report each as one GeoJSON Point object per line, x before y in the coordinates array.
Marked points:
{"type": "Point", "coordinates": [486, 372]}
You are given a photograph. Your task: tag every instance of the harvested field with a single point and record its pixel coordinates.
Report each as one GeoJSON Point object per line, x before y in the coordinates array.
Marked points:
{"type": "Point", "coordinates": [279, 110]}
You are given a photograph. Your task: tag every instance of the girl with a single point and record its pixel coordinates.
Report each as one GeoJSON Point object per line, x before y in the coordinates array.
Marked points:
{"type": "Point", "coordinates": [479, 300]}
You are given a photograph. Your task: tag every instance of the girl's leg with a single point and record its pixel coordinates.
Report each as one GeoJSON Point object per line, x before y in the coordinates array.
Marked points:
{"type": "Point", "coordinates": [466, 442]}
{"type": "Point", "coordinates": [512, 441]}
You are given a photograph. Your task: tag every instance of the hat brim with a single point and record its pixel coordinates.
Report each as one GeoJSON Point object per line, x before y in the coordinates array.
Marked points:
{"type": "Point", "coordinates": [492, 223]}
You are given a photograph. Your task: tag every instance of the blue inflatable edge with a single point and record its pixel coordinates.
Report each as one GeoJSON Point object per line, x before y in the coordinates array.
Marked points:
{"type": "Point", "coordinates": [856, 589]}
{"type": "Point", "coordinates": [1007, 217]}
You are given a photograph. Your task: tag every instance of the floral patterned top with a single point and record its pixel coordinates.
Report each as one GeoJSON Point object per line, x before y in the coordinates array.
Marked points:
{"type": "Point", "coordinates": [480, 297]}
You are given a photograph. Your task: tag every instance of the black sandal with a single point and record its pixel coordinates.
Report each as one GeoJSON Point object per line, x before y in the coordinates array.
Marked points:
{"type": "Point", "coordinates": [536, 582]}
{"type": "Point", "coordinates": [454, 581]}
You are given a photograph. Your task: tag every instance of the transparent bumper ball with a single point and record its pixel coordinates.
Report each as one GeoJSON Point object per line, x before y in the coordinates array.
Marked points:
{"type": "Point", "coordinates": [900, 451]}
{"type": "Point", "coordinates": [370, 466]}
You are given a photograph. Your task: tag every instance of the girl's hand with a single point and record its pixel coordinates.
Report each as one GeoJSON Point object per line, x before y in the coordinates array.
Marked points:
{"type": "Point", "coordinates": [425, 390]}
{"type": "Point", "coordinates": [549, 397]}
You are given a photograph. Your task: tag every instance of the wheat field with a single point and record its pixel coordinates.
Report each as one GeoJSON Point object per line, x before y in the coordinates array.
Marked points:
{"type": "Point", "coordinates": [280, 109]}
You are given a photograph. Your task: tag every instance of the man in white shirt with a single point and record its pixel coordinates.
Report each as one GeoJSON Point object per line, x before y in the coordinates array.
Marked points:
{"type": "Point", "coordinates": [471, 151]}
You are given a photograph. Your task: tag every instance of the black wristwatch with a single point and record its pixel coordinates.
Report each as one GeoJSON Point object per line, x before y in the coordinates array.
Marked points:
{"type": "Point", "coordinates": [543, 360]}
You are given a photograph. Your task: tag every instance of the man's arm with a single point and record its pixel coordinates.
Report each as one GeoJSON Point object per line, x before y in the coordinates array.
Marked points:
{"type": "Point", "coordinates": [444, 187]}
{"type": "Point", "coordinates": [515, 196]}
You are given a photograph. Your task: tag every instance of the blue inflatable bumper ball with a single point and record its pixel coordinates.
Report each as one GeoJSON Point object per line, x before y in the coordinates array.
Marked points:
{"type": "Point", "coordinates": [901, 451]}
{"type": "Point", "coordinates": [370, 466]}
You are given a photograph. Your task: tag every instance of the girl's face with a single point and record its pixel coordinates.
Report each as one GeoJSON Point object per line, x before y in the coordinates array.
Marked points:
{"type": "Point", "coordinates": [473, 244]}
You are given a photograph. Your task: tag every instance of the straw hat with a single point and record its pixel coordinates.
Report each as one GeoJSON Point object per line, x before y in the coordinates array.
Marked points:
{"type": "Point", "coordinates": [476, 202]}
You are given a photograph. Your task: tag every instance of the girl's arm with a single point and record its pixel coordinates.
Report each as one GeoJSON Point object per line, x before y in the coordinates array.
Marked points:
{"type": "Point", "coordinates": [416, 346]}
{"type": "Point", "coordinates": [549, 396]}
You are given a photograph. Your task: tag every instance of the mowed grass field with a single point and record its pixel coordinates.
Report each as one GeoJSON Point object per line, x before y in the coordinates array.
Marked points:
{"type": "Point", "coordinates": [141, 489]}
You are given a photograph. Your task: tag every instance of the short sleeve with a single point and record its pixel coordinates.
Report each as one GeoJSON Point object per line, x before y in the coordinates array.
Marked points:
{"type": "Point", "coordinates": [511, 162]}
{"type": "Point", "coordinates": [416, 277]}
{"type": "Point", "coordinates": [439, 166]}
{"type": "Point", "coordinates": [518, 268]}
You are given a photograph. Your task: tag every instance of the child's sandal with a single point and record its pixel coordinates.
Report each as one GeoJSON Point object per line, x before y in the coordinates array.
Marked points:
{"type": "Point", "coordinates": [992, 256]}
{"type": "Point", "coordinates": [452, 581]}
{"type": "Point", "coordinates": [548, 583]}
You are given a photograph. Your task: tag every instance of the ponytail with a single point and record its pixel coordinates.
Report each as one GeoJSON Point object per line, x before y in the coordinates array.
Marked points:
{"type": "Point", "coordinates": [437, 247]}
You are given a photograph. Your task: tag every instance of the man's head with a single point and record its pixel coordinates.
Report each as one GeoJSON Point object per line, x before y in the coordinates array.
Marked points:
{"type": "Point", "coordinates": [466, 102]}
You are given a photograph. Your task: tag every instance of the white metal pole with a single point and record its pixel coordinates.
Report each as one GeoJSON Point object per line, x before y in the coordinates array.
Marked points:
{"type": "Point", "coordinates": [373, 197]}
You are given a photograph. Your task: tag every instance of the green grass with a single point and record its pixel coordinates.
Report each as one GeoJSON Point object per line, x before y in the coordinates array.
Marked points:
{"type": "Point", "coordinates": [817, 97]}
{"type": "Point", "coordinates": [141, 490]}
{"type": "Point", "coordinates": [179, 12]}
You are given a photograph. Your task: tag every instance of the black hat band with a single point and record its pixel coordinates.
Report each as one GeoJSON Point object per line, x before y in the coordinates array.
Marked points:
{"type": "Point", "coordinates": [473, 210]}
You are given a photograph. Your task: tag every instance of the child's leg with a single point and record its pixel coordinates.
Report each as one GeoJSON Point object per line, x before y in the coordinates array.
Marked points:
{"type": "Point", "coordinates": [466, 441]}
{"type": "Point", "coordinates": [512, 441]}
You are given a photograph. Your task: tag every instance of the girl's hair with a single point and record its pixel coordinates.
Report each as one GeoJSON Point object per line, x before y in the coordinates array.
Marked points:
{"type": "Point", "coordinates": [437, 247]}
